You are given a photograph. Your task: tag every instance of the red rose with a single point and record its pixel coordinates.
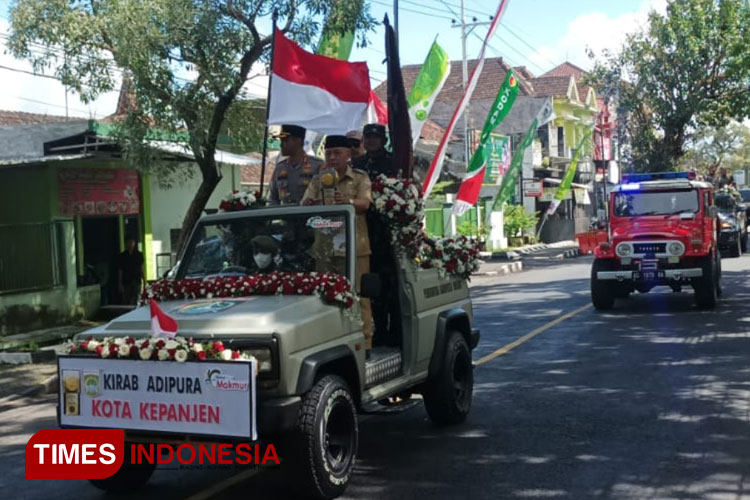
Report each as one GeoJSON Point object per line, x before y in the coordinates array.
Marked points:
{"type": "Point", "coordinates": [130, 341]}
{"type": "Point", "coordinates": [72, 349]}
{"type": "Point", "coordinates": [159, 344]}
{"type": "Point", "coordinates": [113, 349]}
{"type": "Point", "coordinates": [99, 350]}
{"type": "Point", "coordinates": [201, 355]}
{"type": "Point", "coordinates": [133, 350]}
{"type": "Point", "coordinates": [218, 346]}
{"type": "Point", "coordinates": [171, 353]}
{"type": "Point", "coordinates": [144, 344]}
{"type": "Point", "coordinates": [84, 346]}
{"type": "Point", "coordinates": [235, 354]}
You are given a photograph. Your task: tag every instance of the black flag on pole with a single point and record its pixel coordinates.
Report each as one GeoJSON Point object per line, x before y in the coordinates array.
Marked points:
{"type": "Point", "coordinates": [398, 110]}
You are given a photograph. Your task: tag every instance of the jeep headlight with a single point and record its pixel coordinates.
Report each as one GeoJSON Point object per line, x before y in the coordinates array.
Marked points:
{"type": "Point", "coordinates": [676, 248]}
{"type": "Point", "coordinates": [727, 224]}
{"type": "Point", "coordinates": [624, 249]}
{"type": "Point", "coordinates": [264, 357]}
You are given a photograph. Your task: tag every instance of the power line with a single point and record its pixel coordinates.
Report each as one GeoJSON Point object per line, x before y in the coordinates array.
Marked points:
{"type": "Point", "coordinates": [428, 14]}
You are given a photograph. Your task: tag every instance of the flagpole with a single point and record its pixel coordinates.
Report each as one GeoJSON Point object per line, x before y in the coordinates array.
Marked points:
{"type": "Point", "coordinates": [268, 105]}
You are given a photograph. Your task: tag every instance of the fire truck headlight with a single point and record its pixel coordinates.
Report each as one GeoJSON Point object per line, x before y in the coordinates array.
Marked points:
{"type": "Point", "coordinates": [676, 248]}
{"type": "Point", "coordinates": [624, 249]}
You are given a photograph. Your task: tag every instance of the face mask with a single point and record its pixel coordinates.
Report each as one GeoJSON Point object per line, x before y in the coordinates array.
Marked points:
{"type": "Point", "coordinates": [262, 260]}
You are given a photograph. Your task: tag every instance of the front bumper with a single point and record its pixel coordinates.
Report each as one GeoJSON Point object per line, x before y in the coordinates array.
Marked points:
{"type": "Point", "coordinates": [728, 238]}
{"type": "Point", "coordinates": [277, 415]}
{"type": "Point", "coordinates": [668, 274]}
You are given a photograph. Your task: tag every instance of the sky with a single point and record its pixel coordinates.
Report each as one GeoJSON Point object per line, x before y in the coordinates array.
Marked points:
{"type": "Point", "coordinates": [538, 34]}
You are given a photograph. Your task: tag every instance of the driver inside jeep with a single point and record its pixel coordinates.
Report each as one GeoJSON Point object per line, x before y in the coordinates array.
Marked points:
{"type": "Point", "coordinates": [265, 254]}
{"type": "Point", "coordinates": [347, 186]}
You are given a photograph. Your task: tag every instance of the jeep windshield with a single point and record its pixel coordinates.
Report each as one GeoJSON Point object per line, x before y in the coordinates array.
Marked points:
{"type": "Point", "coordinates": [725, 203]}
{"type": "Point", "coordinates": [257, 245]}
{"type": "Point", "coordinates": [666, 203]}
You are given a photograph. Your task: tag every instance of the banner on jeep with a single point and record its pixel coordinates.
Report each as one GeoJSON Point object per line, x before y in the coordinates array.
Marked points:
{"type": "Point", "coordinates": [207, 398]}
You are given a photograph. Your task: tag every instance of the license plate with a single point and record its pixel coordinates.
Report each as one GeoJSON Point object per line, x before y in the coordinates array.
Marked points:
{"type": "Point", "coordinates": [649, 275]}
{"type": "Point", "coordinates": [208, 398]}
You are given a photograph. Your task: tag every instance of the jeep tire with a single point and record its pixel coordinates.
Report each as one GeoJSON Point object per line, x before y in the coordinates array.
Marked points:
{"type": "Point", "coordinates": [447, 397]}
{"type": "Point", "coordinates": [736, 249]}
{"type": "Point", "coordinates": [129, 478]}
{"type": "Point", "coordinates": [707, 287]}
{"type": "Point", "coordinates": [323, 448]}
{"type": "Point", "coordinates": [602, 292]}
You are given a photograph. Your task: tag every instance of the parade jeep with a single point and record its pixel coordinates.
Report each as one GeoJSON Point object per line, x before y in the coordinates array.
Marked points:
{"type": "Point", "coordinates": [662, 231]}
{"type": "Point", "coordinates": [313, 376]}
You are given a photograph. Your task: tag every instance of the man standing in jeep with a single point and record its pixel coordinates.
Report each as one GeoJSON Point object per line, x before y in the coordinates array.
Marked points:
{"type": "Point", "coordinates": [294, 173]}
{"type": "Point", "coordinates": [353, 187]}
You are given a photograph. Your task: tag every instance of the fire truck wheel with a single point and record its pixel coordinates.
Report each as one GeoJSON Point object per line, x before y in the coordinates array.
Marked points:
{"type": "Point", "coordinates": [129, 478]}
{"type": "Point", "coordinates": [707, 287]}
{"type": "Point", "coordinates": [602, 293]}
{"type": "Point", "coordinates": [323, 447]}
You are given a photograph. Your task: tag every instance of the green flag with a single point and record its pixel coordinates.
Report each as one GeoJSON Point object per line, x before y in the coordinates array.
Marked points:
{"type": "Point", "coordinates": [567, 180]}
{"type": "Point", "coordinates": [429, 82]}
{"type": "Point", "coordinates": [471, 185]}
{"type": "Point", "coordinates": [508, 186]}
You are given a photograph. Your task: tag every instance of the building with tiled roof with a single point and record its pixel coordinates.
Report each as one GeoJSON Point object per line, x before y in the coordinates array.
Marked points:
{"type": "Point", "coordinates": [566, 69]}
{"type": "Point", "coordinates": [12, 118]}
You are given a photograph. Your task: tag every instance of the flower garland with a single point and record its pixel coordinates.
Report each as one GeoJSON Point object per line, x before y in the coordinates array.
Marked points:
{"type": "Point", "coordinates": [241, 200]}
{"type": "Point", "coordinates": [332, 288]}
{"type": "Point", "coordinates": [399, 201]}
{"type": "Point", "coordinates": [178, 349]}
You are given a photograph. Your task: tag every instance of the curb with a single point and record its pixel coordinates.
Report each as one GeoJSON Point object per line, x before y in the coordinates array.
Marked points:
{"type": "Point", "coordinates": [47, 387]}
{"type": "Point", "coordinates": [513, 267]}
{"type": "Point", "coordinates": [568, 254]}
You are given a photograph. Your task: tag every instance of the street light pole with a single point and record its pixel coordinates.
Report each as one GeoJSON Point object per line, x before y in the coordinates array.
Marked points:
{"type": "Point", "coordinates": [467, 140]}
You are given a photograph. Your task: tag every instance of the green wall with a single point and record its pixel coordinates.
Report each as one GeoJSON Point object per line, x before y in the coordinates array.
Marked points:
{"type": "Point", "coordinates": [26, 195]}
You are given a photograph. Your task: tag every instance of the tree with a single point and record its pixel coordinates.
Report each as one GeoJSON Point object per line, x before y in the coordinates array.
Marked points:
{"type": "Point", "coordinates": [718, 147]}
{"type": "Point", "coordinates": [687, 69]}
{"type": "Point", "coordinates": [188, 61]}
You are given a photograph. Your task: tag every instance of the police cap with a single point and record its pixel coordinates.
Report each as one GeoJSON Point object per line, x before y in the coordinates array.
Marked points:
{"type": "Point", "coordinates": [291, 131]}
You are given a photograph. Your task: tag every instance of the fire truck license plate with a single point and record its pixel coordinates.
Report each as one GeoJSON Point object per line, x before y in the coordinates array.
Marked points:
{"type": "Point", "coordinates": [649, 275]}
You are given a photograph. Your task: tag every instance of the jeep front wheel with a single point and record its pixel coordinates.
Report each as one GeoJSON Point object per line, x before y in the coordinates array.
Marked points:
{"type": "Point", "coordinates": [324, 445]}
{"type": "Point", "coordinates": [707, 287]}
{"type": "Point", "coordinates": [447, 397]}
{"type": "Point", "coordinates": [602, 293]}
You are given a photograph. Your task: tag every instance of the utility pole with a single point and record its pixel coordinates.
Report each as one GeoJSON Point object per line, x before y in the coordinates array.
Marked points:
{"type": "Point", "coordinates": [395, 19]}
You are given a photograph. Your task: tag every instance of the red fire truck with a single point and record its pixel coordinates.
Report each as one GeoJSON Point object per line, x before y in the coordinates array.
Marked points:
{"type": "Point", "coordinates": [662, 232]}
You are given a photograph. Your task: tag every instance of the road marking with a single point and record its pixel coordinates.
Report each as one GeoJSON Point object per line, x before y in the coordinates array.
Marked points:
{"type": "Point", "coordinates": [223, 485]}
{"type": "Point", "coordinates": [507, 348]}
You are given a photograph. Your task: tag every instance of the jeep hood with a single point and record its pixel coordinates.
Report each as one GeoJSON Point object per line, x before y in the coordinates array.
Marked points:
{"type": "Point", "coordinates": [245, 315]}
{"type": "Point", "coordinates": [644, 228]}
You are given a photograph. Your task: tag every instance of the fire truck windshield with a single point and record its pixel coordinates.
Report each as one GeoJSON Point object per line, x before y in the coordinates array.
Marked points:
{"type": "Point", "coordinates": [635, 204]}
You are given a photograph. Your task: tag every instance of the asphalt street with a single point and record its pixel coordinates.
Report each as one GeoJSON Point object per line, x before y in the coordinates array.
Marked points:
{"type": "Point", "coordinates": [648, 401]}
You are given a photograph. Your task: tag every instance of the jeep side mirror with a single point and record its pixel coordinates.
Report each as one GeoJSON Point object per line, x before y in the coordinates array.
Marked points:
{"type": "Point", "coordinates": [370, 286]}
{"type": "Point", "coordinates": [713, 211]}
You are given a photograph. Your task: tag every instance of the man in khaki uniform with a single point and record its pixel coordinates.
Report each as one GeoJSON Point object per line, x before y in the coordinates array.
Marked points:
{"type": "Point", "coordinates": [353, 187]}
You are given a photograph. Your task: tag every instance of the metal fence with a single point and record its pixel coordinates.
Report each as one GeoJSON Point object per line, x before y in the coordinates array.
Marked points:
{"type": "Point", "coordinates": [31, 256]}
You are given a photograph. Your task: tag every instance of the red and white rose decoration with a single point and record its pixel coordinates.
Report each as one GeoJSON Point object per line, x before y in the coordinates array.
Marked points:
{"type": "Point", "coordinates": [332, 288]}
{"type": "Point", "coordinates": [178, 349]}
{"type": "Point", "coordinates": [400, 202]}
{"type": "Point", "coordinates": [241, 200]}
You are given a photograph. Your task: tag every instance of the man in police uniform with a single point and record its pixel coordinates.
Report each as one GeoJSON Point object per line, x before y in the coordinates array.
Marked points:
{"type": "Point", "coordinates": [293, 174]}
{"type": "Point", "coordinates": [376, 159]}
{"type": "Point", "coordinates": [353, 187]}
{"type": "Point", "coordinates": [355, 144]}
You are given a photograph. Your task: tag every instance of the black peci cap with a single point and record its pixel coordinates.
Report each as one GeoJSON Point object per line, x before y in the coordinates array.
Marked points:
{"type": "Point", "coordinates": [374, 129]}
{"type": "Point", "coordinates": [292, 131]}
{"type": "Point", "coordinates": [336, 141]}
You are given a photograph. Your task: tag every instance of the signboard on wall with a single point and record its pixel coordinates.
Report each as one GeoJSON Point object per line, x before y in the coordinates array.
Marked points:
{"type": "Point", "coordinates": [739, 177]}
{"type": "Point", "coordinates": [98, 191]}
{"type": "Point", "coordinates": [533, 188]}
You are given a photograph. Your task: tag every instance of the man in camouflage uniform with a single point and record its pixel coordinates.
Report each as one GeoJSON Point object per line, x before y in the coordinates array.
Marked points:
{"type": "Point", "coordinates": [353, 187]}
{"type": "Point", "coordinates": [293, 174]}
{"type": "Point", "coordinates": [376, 160]}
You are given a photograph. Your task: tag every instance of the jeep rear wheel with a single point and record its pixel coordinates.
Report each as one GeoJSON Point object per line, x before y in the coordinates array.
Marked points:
{"type": "Point", "coordinates": [602, 293]}
{"type": "Point", "coordinates": [130, 477]}
{"type": "Point", "coordinates": [324, 444]}
{"type": "Point", "coordinates": [707, 287]}
{"type": "Point", "coordinates": [448, 395]}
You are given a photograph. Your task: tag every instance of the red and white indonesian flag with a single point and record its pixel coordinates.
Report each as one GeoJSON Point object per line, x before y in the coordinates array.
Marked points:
{"type": "Point", "coordinates": [316, 92]}
{"type": "Point", "coordinates": [433, 173]}
{"type": "Point", "coordinates": [162, 324]}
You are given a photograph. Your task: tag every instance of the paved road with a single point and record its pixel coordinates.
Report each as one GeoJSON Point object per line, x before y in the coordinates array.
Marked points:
{"type": "Point", "coordinates": [649, 401]}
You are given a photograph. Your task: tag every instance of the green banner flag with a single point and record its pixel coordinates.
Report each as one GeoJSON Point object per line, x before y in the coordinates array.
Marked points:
{"type": "Point", "coordinates": [567, 180]}
{"type": "Point", "coordinates": [430, 80]}
{"type": "Point", "coordinates": [510, 179]}
{"type": "Point", "coordinates": [471, 185]}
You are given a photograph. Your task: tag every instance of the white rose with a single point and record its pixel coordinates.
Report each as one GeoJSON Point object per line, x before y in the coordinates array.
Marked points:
{"type": "Point", "coordinates": [197, 347]}
{"type": "Point", "coordinates": [119, 341]}
{"type": "Point", "coordinates": [93, 344]}
{"type": "Point", "coordinates": [171, 344]}
{"type": "Point", "coordinates": [226, 354]}
{"type": "Point", "coordinates": [105, 350]}
{"type": "Point", "coordinates": [124, 350]}
{"type": "Point", "coordinates": [163, 355]}
{"type": "Point", "coordinates": [181, 355]}
{"type": "Point", "coordinates": [146, 353]}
